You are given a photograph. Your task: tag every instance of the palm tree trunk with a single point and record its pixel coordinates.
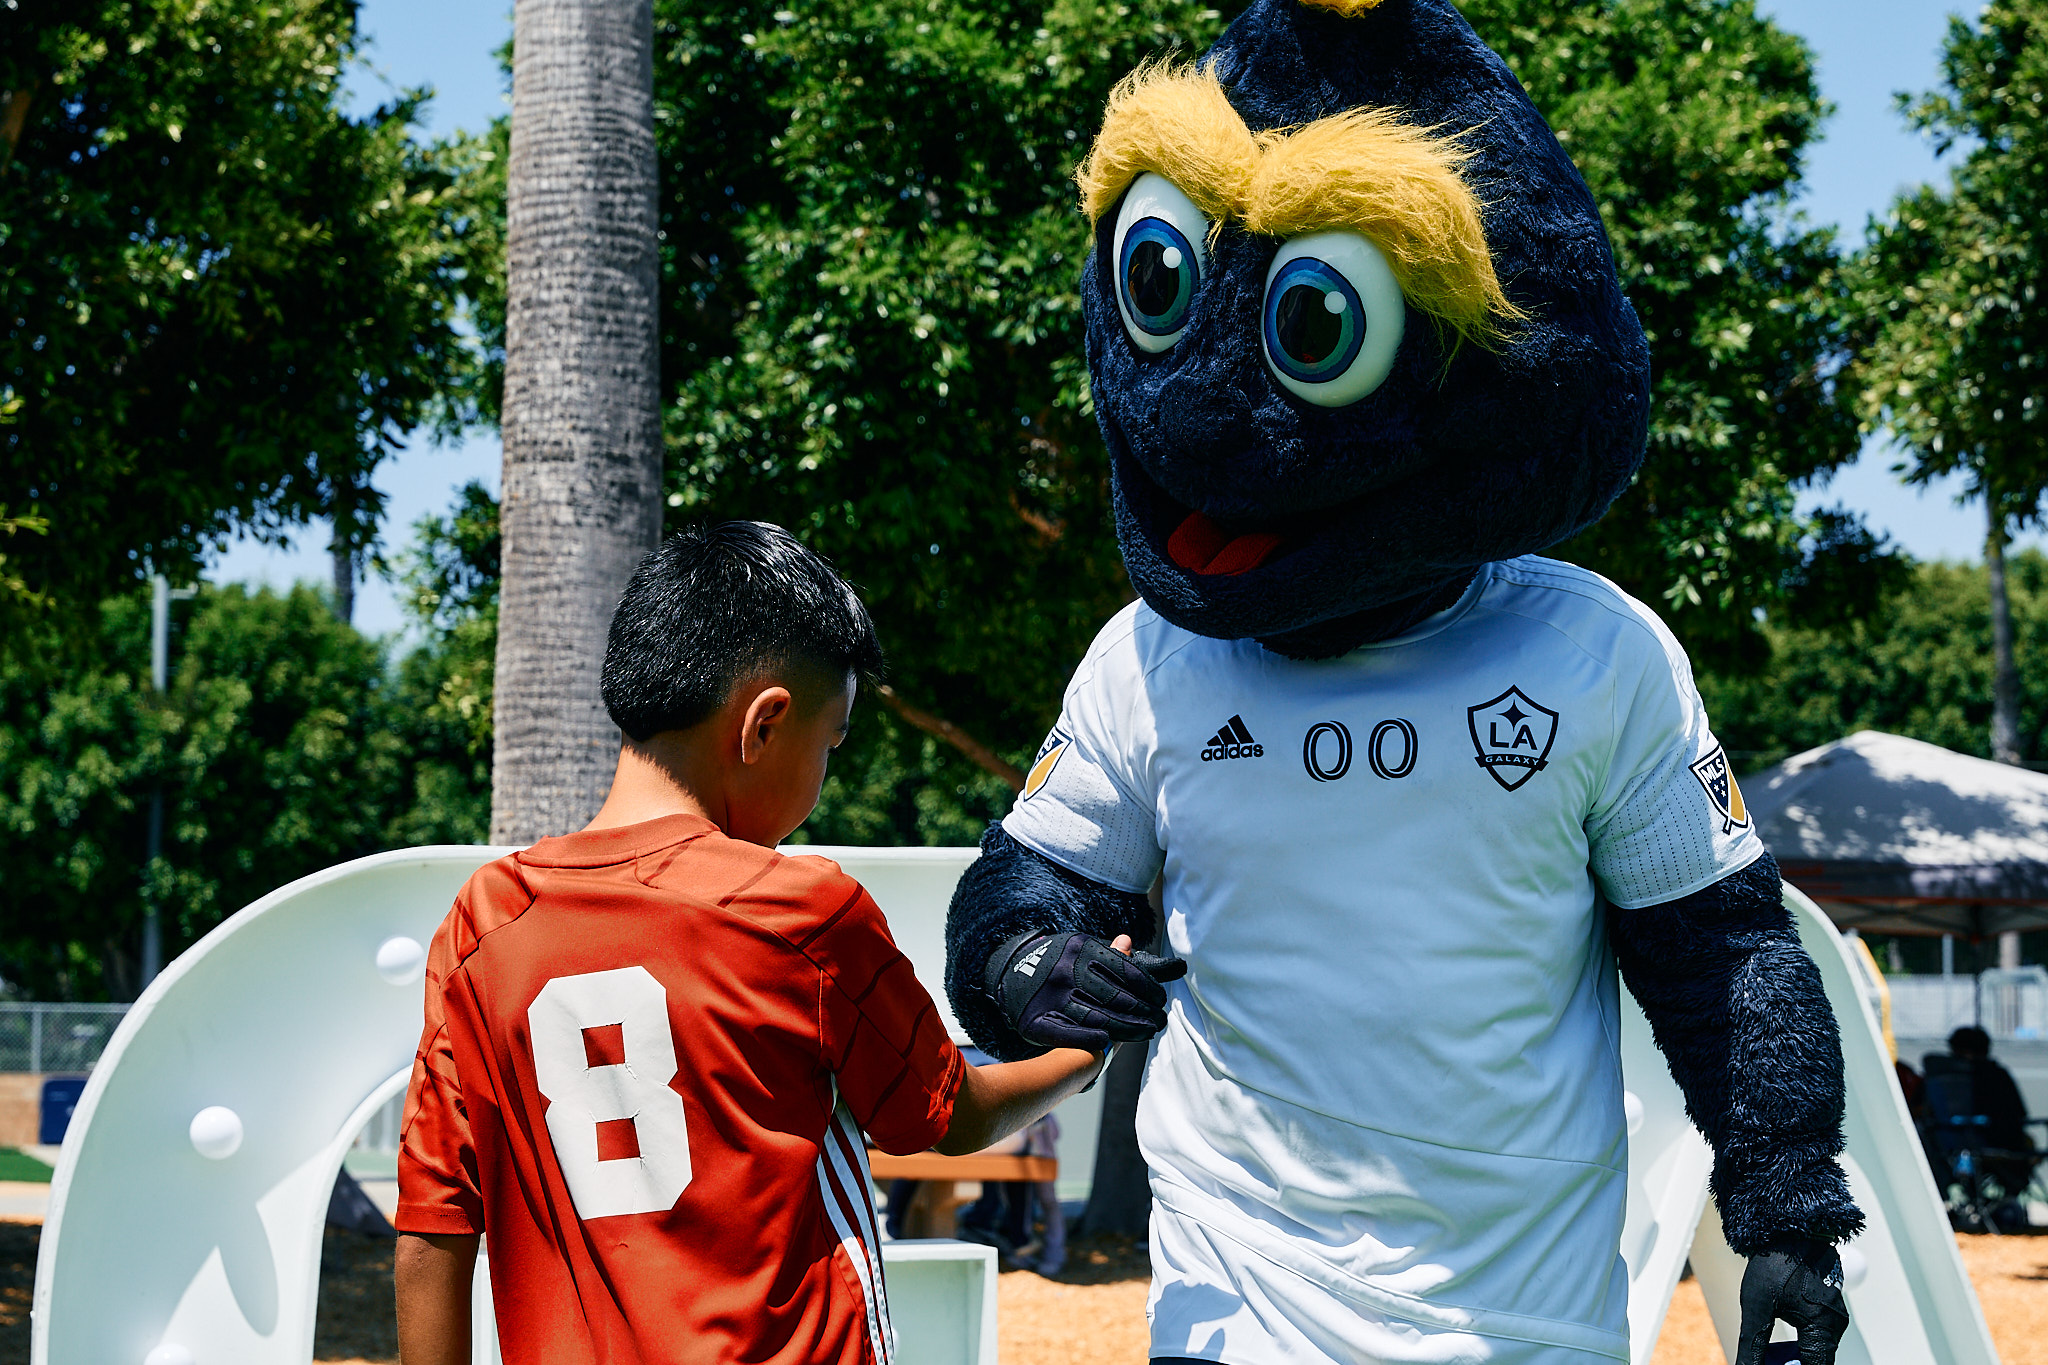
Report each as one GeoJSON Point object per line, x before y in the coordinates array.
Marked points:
{"type": "Point", "coordinates": [582, 416]}
{"type": "Point", "coordinates": [2005, 679]}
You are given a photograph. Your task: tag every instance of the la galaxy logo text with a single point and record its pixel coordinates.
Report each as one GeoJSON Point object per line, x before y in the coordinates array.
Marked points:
{"type": "Point", "coordinates": [1512, 734]}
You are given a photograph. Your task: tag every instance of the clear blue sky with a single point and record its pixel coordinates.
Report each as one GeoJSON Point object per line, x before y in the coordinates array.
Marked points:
{"type": "Point", "coordinates": [1867, 49]}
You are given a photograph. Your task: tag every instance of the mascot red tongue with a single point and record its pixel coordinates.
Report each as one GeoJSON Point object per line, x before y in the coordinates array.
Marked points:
{"type": "Point", "coordinates": [1409, 793]}
{"type": "Point", "coordinates": [1199, 545]}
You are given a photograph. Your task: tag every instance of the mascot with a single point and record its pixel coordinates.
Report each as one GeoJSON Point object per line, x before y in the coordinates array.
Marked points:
{"type": "Point", "coordinates": [1409, 793]}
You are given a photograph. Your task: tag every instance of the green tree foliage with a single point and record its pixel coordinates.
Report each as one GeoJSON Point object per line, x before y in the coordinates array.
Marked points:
{"type": "Point", "coordinates": [221, 299]}
{"type": "Point", "coordinates": [872, 332]}
{"type": "Point", "coordinates": [1922, 668]}
{"type": "Point", "coordinates": [874, 339]}
{"type": "Point", "coordinates": [286, 742]}
{"type": "Point", "coordinates": [1957, 361]}
{"type": "Point", "coordinates": [444, 686]}
{"type": "Point", "coordinates": [875, 251]}
{"type": "Point", "coordinates": [1689, 119]}
{"type": "Point", "coordinates": [1947, 291]}
{"type": "Point", "coordinates": [272, 751]}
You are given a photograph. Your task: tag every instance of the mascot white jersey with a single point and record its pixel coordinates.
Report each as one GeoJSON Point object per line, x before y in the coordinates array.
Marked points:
{"type": "Point", "coordinates": [1325, 1099]}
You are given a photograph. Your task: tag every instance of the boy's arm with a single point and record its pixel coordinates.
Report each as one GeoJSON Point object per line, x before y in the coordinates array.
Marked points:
{"type": "Point", "coordinates": [996, 1101]}
{"type": "Point", "coordinates": [432, 1274]}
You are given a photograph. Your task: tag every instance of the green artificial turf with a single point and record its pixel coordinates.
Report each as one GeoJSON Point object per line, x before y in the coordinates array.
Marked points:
{"type": "Point", "coordinates": [19, 1165]}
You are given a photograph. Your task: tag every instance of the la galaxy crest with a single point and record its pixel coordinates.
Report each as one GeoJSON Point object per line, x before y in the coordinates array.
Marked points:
{"type": "Point", "coordinates": [1715, 775]}
{"type": "Point", "coordinates": [1512, 734]}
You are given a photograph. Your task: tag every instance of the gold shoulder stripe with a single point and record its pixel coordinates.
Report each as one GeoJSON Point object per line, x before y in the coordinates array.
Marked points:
{"type": "Point", "coordinates": [1042, 769]}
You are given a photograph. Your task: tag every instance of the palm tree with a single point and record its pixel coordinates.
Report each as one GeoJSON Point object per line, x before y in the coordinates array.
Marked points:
{"type": "Point", "coordinates": [582, 417]}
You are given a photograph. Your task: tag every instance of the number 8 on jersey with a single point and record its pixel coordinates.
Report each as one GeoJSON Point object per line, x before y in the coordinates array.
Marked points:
{"type": "Point", "coordinates": [592, 1078]}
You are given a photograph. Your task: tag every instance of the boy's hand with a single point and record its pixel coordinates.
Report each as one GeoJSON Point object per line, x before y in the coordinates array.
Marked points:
{"type": "Point", "coordinates": [1073, 990]}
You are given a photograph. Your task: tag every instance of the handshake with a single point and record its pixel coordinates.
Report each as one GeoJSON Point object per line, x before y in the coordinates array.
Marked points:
{"type": "Point", "coordinates": [1073, 990]}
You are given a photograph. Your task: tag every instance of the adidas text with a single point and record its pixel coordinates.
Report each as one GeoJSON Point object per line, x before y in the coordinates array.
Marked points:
{"type": "Point", "coordinates": [1232, 741]}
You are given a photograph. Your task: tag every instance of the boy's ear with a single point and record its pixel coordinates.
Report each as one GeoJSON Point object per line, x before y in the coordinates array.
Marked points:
{"type": "Point", "coordinates": [768, 709]}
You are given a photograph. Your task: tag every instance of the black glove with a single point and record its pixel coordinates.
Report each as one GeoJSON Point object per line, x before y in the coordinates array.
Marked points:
{"type": "Point", "coordinates": [1800, 1281]}
{"type": "Point", "coordinates": [1071, 990]}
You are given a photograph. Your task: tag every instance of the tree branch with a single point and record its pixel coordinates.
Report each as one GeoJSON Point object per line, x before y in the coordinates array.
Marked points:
{"type": "Point", "coordinates": [14, 117]}
{"type": "Point", "coordinates": [953, 735]}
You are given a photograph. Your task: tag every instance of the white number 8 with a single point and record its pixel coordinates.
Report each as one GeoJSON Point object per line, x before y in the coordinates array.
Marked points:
{"type": "Point", "coordinates": [581, 1095]}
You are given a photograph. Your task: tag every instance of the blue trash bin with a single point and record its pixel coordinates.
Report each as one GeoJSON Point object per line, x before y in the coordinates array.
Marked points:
{"type": "Point", "coordinates": [60, 1097]}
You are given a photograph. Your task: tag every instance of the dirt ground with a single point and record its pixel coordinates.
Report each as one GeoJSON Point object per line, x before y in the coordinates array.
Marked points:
{"type": "Point", "coordinates": [1094, 1314]}
{"type": "Point", "coordinates": [2010, 1274]}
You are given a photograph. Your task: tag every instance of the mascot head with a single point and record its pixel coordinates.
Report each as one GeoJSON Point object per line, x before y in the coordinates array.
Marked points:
{"type": "Point", "coordinates": [1353, 325]}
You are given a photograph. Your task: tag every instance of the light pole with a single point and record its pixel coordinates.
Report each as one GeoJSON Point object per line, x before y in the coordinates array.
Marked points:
{"type": "Point", "coordinates": [162, 594]}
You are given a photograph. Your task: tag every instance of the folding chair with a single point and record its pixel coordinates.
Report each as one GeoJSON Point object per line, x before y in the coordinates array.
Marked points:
{"type": "Point", "coordinates": [1982, 1182]}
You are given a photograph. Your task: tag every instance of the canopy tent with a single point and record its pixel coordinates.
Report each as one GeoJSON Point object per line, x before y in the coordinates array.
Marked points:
{"type": "Point", "coordinates": [1897, 836]}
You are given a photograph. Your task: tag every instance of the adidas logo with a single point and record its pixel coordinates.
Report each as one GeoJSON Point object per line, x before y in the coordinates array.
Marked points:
{"type": "Point", "coordinates": [1029, 966]}
{"type": "Point", "coordinates": [1233, 741]}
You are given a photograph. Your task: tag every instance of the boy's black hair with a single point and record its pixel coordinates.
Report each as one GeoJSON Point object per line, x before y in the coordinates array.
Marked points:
{"type": "Point", "coordinates": [717, 604]}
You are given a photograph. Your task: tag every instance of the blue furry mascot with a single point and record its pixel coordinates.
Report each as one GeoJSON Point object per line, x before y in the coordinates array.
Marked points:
{"type": "Point", "coordinates": [1409, 792]}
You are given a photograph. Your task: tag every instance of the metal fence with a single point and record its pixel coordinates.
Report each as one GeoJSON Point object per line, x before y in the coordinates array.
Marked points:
{"type": "Point", "coordinates": [48, 1037]}
{"type": "Point", "coordinates": [2006, 1003]}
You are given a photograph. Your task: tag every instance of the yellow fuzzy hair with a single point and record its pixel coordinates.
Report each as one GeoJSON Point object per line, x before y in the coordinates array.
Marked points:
{"type": "Point", "coordinates": [1175, 121]}
{"type": "Point", "coordinates": [1350, 9]}
{"type": "Point", "coordinates": [1363, 171]}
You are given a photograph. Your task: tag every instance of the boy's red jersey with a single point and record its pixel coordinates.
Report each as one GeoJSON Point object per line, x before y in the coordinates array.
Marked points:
{"type": "Point", "coordinates": [648, 1057]}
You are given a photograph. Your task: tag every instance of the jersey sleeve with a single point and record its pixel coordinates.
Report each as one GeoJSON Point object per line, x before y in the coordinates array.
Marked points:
{"type": "Point", "coordinates": [1086, 804]}
{"type": "Point", "coordinates": [439, 1190]}
{"type": "Point", "coordinates": [1669, 819]}
{"type": "Point", "coordinates": [881, 1035]}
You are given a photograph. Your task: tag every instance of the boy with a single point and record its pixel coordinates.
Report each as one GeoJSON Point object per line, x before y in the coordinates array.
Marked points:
{"type": "Point", "coordinates": [651, 1047]}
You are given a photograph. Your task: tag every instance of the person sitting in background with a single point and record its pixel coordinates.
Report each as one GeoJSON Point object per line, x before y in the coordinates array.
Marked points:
{"type": "Point", "coordinates": [1998, 1095]}
{"type": "Point", "coordinates": [1976, 1110]}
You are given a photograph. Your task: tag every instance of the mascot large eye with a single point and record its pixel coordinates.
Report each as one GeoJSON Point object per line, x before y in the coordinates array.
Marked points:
{"type": "Point", "coordinates": [1159, 237]}
{"type": "Point", "coordinates": [1333, 317]}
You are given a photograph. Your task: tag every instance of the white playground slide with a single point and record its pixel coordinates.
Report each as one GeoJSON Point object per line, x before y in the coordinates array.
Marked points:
{"type": "Point", "coordinates": [185, 1217]}
{"type": "Point", "coordinates": [1909, 1301]}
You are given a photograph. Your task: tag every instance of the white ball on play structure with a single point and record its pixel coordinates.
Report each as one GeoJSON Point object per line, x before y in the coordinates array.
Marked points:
{"type": "Point", "coordinates": [401, 960]}
{"type": "Point", "coordinates": [1855, 1266]}
{"type": "Point", "coordinates": [216, 1134]}
{"type": "Point", "coordinates": [1632, 1111]}
{"type": "Point", "coordinates": [170, 1353]}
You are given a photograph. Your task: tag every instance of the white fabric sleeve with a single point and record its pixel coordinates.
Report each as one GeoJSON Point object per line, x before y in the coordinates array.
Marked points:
{"type": "Point", "coordinates": [1084, 805]}
{"type": "Point", "coordinates": [1669, 819]}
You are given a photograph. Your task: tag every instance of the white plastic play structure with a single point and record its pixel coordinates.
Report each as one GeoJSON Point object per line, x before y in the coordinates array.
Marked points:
{"type": "Point", "coordinates": [186, 1213]}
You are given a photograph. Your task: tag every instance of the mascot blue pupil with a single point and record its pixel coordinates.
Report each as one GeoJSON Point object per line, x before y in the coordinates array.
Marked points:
{"type": "Point", "coordinates": [1315, 322]}
{"type": "Point", "coordinates": [1159, 276]}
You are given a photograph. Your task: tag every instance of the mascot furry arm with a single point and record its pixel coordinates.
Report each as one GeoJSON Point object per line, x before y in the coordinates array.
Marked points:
{"type": "Point", "coordinates": [1319, 457]}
